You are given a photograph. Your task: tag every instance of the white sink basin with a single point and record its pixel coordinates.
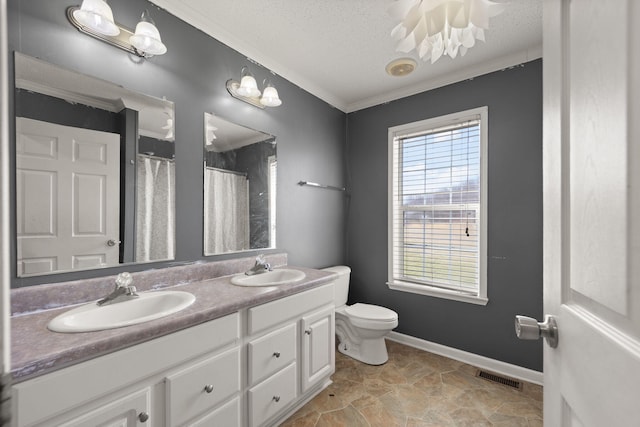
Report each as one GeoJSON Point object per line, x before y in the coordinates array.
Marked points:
{"type": "Point", "coordinates": [270, 278]}
{"type": "Point", "coordinates": [148, 306]}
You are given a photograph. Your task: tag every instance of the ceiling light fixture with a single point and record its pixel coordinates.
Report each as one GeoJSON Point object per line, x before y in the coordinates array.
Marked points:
{"type": "Point", "coordinates": [247, 90]}
{"type": "Point", "coordinates": [95, 18]}
{"type": "Point", "coordinates": [437, 27]}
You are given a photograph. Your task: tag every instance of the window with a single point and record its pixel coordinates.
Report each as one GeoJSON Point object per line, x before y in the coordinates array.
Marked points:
{"type": "Point", "coordinates": [437, 206]}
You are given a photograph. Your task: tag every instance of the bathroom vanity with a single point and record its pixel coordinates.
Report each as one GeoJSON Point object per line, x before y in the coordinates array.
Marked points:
{"type": "Point", "coordinates": [241, 357]}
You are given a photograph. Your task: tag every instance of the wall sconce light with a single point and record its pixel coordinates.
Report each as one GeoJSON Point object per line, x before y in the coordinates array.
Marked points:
{"type": "Point", "coordinates": [247, 90]}
{"type": "Point", "coordinates": [95, 18]}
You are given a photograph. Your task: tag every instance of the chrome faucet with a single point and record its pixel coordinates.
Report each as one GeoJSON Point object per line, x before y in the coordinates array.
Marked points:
{"type": "Point", "coordinates": [124, 291]}
{"type": "Point", "coordinates": [261, 266]}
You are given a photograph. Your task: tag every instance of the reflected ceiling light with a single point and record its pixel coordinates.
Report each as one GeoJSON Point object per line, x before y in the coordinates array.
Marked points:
{"type": "Point", "coordinates": [437, 27]}
{"type": "Point", "coordinates": [247, 90]}
{"type": "Point", "coordinates": [95, 18]}
{"type": "Point", "coordinates": [169, 123]}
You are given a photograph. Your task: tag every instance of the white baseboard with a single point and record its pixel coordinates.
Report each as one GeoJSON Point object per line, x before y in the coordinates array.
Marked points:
{"type": "Point", "coordinates": [483, 362]}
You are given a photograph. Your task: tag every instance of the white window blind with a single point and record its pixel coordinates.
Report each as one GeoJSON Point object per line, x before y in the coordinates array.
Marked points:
{"type": "Point", "coordinates": [436, 236]}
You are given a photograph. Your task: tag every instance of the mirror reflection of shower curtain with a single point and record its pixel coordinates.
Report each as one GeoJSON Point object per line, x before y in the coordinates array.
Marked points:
{"type": "Point", "coordinates": [155, 210]}
{"type": "Point", "coordinates": [226, 213]}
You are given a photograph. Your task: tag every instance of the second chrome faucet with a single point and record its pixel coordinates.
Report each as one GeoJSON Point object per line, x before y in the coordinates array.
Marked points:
{"type": "Point", "coordinates": [124, 291]}
{"type": "Point", "coordinates": [261, 266]}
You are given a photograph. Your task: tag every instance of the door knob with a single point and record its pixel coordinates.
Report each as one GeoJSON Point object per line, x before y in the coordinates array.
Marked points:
{"type": "Point", "coordinates": [528, 328]}
{"type": "Point", "coordinates": [112, 242]}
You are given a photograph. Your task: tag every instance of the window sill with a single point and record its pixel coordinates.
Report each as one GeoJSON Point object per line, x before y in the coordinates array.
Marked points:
{"type": "Point", "coordinates": [438, 292]}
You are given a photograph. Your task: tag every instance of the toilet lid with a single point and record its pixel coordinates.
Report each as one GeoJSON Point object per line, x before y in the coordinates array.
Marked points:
{"type": "Point", "coordinates": [371, 312]}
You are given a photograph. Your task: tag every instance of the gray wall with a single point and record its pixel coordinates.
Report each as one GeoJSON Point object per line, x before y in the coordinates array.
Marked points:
{"type": "Point", "coordinates": [311, 138]}
{"type": "Point", "coordinates": [514, 98]}
{"type": "Point", "coordinates": [310, 133]}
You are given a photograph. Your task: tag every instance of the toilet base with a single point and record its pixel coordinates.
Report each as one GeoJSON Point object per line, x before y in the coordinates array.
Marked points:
{"type": "Point", "coordinates": [369, 351]}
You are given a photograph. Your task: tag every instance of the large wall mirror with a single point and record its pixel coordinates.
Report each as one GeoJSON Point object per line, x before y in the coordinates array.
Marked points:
{"type": "Point", "coordinates": [239, 187]}
{"type": "Point", "coordinates": [94, 172]}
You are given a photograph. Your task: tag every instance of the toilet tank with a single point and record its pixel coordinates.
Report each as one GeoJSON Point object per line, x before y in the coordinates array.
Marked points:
{"type": "Point", "coordinates": [341, 284]}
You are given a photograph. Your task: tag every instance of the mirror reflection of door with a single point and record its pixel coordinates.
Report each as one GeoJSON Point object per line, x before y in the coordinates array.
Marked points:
{"type": "Point", "coordinates": [146, 192]}
{"type": "Point", "coordinates": [65, 176]}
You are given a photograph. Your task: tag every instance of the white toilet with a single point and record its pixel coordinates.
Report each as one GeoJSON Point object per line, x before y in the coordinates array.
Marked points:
{"type": "Point", "coordinates": [360, 328]}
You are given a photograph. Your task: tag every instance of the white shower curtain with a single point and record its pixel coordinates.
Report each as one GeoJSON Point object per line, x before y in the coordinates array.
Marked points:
{"type": "Point", "coordinates": [155, 209]}
{"type": "Point", "coordinates": [226, 213]}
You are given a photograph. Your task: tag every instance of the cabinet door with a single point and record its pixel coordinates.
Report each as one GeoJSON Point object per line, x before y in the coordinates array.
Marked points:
{"type": "Point", "coordinates": [127, 411]}
{"type": "Point", "coordinates": [318, 348]}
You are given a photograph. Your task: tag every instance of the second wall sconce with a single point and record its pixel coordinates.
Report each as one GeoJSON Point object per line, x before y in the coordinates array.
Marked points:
{"type": "Point", "coordinates": [95, 18]}
{"type": "Point", "coordinates": [247, 90]}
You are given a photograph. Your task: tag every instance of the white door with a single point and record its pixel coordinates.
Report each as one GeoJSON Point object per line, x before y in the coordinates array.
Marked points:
{"type": "Point", "coordinates": [67, 197]}
{"type": "Point", "coordinates": [591, 159]}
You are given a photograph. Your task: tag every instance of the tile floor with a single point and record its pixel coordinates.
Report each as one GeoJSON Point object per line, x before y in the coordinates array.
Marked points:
{"type": "Point", "coordinates": [416, 388]}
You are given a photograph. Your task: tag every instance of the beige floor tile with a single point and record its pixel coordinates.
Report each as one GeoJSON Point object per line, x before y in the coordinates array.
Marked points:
{"type": "Point", "coordinates": [417, 389]}
{"type": "Point", "coordinates": [347, 417]}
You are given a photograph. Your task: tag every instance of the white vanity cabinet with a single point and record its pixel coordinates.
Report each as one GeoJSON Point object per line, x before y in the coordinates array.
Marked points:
{"type": "Point", "coordinates": [143, 385]}
{"type": "Point", "coordinates": [251, 368]}
{"type": "Point", "coordinates": [290, 353]}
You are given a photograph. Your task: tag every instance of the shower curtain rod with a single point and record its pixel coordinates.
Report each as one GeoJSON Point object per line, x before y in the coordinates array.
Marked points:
{"type": "Point", "coordinates": [155, 157]}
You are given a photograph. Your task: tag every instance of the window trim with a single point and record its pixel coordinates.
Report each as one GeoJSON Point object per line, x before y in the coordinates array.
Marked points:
{"type": "Point", "coordinates": [408, 129]}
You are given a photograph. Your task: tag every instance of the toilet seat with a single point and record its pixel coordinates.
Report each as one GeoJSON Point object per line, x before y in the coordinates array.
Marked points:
{"type": "Point", "coordinates": [369, 316]}
{"type": "Point", "coordinates": [371, 312]}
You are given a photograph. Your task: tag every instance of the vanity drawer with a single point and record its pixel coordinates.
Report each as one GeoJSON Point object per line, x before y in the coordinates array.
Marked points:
{"type": "Point", "coordinates": [270, 396]}
{"type": "Point", "coordinates": [202, 386]}
{"type": "Point", "coordinates": [271, 353]}
{"type": "Point", "coordinates": [227, 415]}
{"type": "Point", "coordinates": [270, 314]}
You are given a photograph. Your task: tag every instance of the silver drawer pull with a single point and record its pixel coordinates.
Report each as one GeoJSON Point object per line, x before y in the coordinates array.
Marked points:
{"type": "Point", "coordinates": [276, 398]}
{"type": "Point", "coordinates": [208, 388]}
{"type": "Point", "coordinates": [276, 354]}
{"type": "Point", "coordinates": [143, 417]}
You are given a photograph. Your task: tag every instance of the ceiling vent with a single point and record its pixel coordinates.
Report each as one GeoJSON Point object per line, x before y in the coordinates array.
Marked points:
{"type": "Point", "coordinates": [401, 67]}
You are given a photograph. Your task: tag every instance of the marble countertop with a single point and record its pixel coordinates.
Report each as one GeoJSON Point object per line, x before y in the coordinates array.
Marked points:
{"type": "Point", "coordinates": [37, 351]}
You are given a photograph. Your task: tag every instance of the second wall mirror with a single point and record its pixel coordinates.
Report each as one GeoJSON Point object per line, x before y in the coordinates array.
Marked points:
{"type": "Point", "coordinates": [239, 187]}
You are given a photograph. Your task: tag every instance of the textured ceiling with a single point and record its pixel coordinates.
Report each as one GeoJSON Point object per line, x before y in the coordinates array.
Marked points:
{"type": "Point", "coordinates": [338, 49]}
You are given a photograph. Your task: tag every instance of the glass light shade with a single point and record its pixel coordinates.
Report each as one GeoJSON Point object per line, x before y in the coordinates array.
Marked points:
{"type": "Point", "coordinates": [97, 15]}
{"type": "Point", "coordinates": [248, 86]}
{"type": "Point", "coordinates": [270, 97]}
{"type": "Point", "coordinates": [147, 39]}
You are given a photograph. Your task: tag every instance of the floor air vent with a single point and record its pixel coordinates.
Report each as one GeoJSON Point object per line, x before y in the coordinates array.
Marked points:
{"type": "Point", "coordinates": [509, 382]}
